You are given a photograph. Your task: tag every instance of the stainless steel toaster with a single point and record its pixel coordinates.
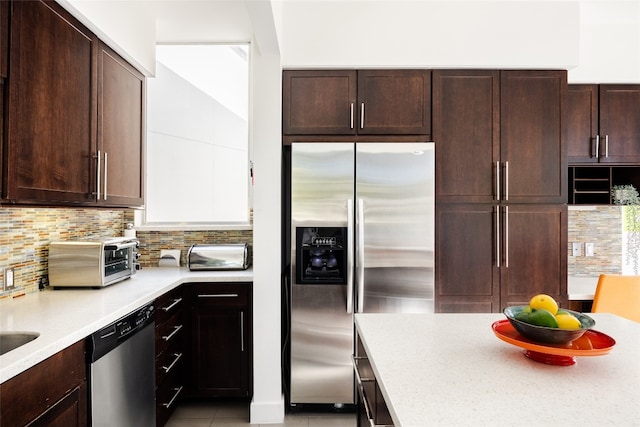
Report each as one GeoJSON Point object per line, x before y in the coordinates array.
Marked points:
{"type": "Point", "coordinates": [219, 257]}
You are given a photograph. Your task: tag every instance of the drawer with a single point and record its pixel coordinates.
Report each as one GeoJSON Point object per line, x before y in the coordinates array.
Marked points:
{"type": "Point", "coordinates": [169, 361]}
{"type": "Point", "coordinates": [169, 332]}
{"type": "Point", "coordinates": [220, 294]}
{"type": "Point", "coordinates": [167, 396]}
{"type": "Point", "coordinates": [169, 304]}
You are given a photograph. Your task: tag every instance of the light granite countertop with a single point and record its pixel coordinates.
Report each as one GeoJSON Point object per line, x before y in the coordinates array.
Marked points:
{"type": "Point", "coordinates": [451, 370]}
{"type": "Point", "coordinates": [65, 316]}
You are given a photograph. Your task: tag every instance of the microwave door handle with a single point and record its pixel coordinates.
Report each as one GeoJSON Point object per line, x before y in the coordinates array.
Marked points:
{"type": "Point", "coordinates": [350, 248]}
{"type": "Point", "coordinates": [360, 255]}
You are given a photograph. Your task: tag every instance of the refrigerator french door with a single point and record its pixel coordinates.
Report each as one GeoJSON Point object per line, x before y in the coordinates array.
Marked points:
{"type": "Point", "coordinates": [362, 241]}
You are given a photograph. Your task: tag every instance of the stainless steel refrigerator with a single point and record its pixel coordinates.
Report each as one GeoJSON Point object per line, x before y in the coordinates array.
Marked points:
{"type": "Point", "coordinates": [362, 241]}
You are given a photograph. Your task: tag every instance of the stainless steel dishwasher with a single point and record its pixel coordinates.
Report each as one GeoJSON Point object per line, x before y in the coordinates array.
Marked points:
{"type": "Point", "coordinates": [122, 372]}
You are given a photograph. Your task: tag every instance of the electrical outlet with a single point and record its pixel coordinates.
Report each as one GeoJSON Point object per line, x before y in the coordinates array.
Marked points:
{"type": "Point", "coordinates": [9, 279]}
{"type": "Point", "coordinates": [575, 249]}
{"type": "Point", "coordinates": [588, 249]}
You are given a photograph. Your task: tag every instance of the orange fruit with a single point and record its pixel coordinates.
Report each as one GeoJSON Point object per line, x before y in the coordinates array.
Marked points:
{"type": "Point", "coordinates": [544, 302]}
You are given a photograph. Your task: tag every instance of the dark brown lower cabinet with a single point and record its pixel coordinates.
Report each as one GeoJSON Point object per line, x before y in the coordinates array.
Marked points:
{"type": "Point", "coordinates": [492, 256]}
{"type": "Point", "coordinates": [52, 393]}
{"type": "Point", "coordinates": [171, 344]}
{"type": "Point", "coordinates": [371, 406]}
{"type": "Point", "coordinates": [221, 340]}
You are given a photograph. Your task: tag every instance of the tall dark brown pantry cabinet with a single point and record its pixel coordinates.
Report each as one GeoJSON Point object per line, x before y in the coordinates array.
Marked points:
{"type": "Point", "coordinates": [500, 187]}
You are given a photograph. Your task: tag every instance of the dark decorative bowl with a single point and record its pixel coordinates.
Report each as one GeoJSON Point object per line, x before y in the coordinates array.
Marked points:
{"type": "Point", "coordinates": [546, 335]}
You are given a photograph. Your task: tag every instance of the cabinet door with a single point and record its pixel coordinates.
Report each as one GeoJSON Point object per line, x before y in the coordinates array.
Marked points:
{"type": "Point", "coordinates": [221, 339]}
{"type": "Point", "coordinates": [392, 102]}
{"type": "Point", "coordinates": [535, 253]}
{"type": "Point", "coordinates": [582, 124]}
{"type": "Point", "coordinates": [620, 123]}
{"type": "Point", "coordinates": [4, 38]}
{"type": "Point", "coordinates": [53, 392]}
{"type": "Point", "coordinates": [70, 411]}
{"type": "Point", "coordinates": [120, 119]}
{"type": "Point", "coordinates": [51, 110]}
{"type": "Point", "coordinates": [220, 352]}
{"type": "Point", "coordinates": [533, 153]}
{"type": "Point", "coordinates": [319, 102]}
{"type": "Point", "coordinates": [467, 247]}
{"type": "Point", "coordinates": [466, 130]}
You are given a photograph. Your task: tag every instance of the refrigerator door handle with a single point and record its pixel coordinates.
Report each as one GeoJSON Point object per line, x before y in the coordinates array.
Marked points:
{"type": "Point", "coordinates": [360, 225]}
{"type": "Point", "coordinates": [350, 247]}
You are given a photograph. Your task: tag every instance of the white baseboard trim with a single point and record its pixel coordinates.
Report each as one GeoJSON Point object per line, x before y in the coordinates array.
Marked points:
{"type": "Point", "coordinates": [267, 412]}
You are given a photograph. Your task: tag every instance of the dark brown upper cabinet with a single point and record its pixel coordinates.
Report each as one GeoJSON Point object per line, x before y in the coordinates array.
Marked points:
{"type": "Point", "coordinates": [499, 136]}
{"type": "Point", "coordinates": [74, 117]}
{"type": "Point", "coordinates": [350, 102]}
{"type": "Point", "coordinates": [603, 124]}
{"type": "Point", "coordinates": [121, 93]}
{"type": "Point", "coordinates": [51, 136]}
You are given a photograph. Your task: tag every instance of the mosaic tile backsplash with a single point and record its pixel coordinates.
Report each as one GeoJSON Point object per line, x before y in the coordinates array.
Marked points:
{"type": "Point", "coordinates": [602, 226]}
{"type": "Point", "coordinates": [25, 234]}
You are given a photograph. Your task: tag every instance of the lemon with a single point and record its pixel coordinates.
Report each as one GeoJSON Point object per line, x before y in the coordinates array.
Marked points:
{"type": "Point", "coordinates": [544, 301]}
{"type": "Point", "coordinates": [567, 321]}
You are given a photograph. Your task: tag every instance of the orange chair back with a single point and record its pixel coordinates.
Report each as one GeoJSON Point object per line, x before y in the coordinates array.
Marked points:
{"type": "Point", "coordinates": [618, 295]}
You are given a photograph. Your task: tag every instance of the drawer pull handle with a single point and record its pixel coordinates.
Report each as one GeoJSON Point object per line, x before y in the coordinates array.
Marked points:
{"type": "Point", "coordinates": [175, 331]}
{"type": "Point", "coordinates": [173, 304]}
{"type": "Point", "coordinates": [218, 296]}
{"type": "Point", "coordinates": [172, 364]}
{"type": "Point", "coordinates": [360, 379]}
{"type": "Point", "coordinates": [175, 396]}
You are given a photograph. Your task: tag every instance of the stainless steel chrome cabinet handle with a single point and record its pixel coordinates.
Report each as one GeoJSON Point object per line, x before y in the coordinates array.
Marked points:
{"type": "Point", "coordinates": [606, 145]}
{"type": "Point", "coordinates": [597, 146]}
{"type": "Point", "coordinates": [218, 296]}
{"type": "Point", "coordinates": [172, 364]}
{"type": "Point", "coordinates": [351, 117]}
{"type": "Point", "coordinates": [360, 256]}
{"type": "Point", "coordinates": [497, 210]}
{"type": "Point", "coordinates": [175, 396]}
{"type": "Point", "coordinates": [362, 115]}
{"type": "Point", "coordinates": [350, 255]}
{"type": "Point", "coordinates": [506, 236]}
{"type": "Point", "coordinates": [173, 304]}
{"type": "Point", "coordinates": [97, 193]}
{"type": "Point", "coordinates": [242, 331]}
{"type": "Point", "coordinates": [105, 176]}
{"type": "Point", "coordinates": [175, 331]}
{"type": "Point", "coordinates": [506, 180]}
{"type": "Point", "coordinates": [498, 180]}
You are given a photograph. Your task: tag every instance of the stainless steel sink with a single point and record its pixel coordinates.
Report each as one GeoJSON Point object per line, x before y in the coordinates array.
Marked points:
{"type": "Point", "coordinates": [12, 340]}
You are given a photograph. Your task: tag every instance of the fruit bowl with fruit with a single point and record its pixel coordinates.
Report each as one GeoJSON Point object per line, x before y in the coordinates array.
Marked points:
{"type": "Point", "coordinates": [543, 322]}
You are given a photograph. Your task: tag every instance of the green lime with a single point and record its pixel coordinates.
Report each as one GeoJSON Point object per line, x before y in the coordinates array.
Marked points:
{"type": "Point", "coordinates": [543, 317]}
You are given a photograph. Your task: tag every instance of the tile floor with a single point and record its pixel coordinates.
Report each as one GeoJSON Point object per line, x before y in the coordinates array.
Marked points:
{"type": "Point", "coordinates": [237, 414]}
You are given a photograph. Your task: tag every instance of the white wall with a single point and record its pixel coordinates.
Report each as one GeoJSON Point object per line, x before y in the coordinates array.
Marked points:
{"type": "Point", "coordinates": [477, 34]}
{"type": "Point", "coordinates": [128, 27]}
{"type": "Point", "coordinates": [609, 43]}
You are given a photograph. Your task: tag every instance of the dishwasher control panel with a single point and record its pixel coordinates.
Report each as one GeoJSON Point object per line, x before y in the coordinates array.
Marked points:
{"type": "Point", "coordinates": [102, 341]}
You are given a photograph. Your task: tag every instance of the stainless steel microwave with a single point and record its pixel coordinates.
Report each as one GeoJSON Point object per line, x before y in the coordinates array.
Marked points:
{"type": "Point", "coordinates": [92, 263]}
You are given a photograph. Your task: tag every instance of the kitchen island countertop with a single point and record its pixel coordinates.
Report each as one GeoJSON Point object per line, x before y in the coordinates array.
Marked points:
{"type": "Point", "coordinates": [451, 370]}
{"type": "Point", "coordinates": [65, 316]}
